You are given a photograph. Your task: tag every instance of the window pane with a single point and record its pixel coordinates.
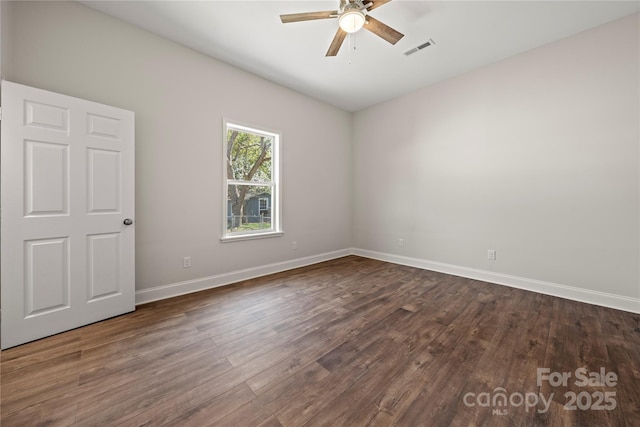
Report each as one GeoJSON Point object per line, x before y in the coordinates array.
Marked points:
{"type": "Point", "coordinates": [248, 208]}
{"type": "Point", "coordinates": [249, 156]}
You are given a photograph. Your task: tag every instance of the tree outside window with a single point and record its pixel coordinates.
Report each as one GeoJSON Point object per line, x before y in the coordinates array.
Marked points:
{"type": "Point", "coordinates": [251, 172]}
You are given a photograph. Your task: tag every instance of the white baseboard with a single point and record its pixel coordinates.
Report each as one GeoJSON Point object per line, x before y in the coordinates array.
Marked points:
{"type": "Point", "coordinates": [568, 292]}
{"type": "Point", "coordinates": [175, 289]}
{"type": "Point", "coordinates": [604, 299]}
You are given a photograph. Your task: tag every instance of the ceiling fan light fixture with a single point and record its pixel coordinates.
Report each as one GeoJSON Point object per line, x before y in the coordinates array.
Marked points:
{"type": "Point", "coordinates": [351, 20]}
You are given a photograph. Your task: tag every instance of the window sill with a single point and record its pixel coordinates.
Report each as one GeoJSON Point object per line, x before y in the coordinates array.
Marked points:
{"type": "Point", "coordinates": [241, 237]}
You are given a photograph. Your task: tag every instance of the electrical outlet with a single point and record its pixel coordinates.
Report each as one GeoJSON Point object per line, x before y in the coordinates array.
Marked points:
{"type": "Point", "coordinates": [491, 254]}
{"type": "Point", "coordinates": [401, 243]}
{"type": "Point", "coordinates": [294, 245]}
{"type": "Point", "coordinates": [186, 262]}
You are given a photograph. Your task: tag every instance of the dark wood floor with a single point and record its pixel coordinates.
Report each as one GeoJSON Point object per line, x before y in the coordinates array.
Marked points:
{"type": "Point", "coordinates": [348, 342]}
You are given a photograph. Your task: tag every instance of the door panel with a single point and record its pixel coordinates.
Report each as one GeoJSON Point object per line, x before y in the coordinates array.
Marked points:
{"type": "Point", "coordinates": [104, 260]}
{"type": "Point", "coordinates": [46, 276]}
{"type": "Point", "coordinates": [103, 180]}
{"type": "Point", "coordinates": [46, 116]}
{"type": "Point", "coordinates": [67, 168]}
{"type": "Point", "coordinates": [47, 178]}
{"type": "Point", "coordinates": [106, 127]}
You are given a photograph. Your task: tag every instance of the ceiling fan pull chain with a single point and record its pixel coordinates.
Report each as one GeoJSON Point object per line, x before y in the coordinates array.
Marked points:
{"type": "Point", "coordinates": [352, 42]}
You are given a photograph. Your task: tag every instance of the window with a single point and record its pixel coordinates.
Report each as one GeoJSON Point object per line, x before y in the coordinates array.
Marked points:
{"type": "Point", "coordinates": [264, 204]}
{"type": "Point", "coordinates": [251, 176]}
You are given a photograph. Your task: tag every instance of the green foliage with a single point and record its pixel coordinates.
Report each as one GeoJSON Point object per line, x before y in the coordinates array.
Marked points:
{"type": "Point", "coordinates": [249, 156]}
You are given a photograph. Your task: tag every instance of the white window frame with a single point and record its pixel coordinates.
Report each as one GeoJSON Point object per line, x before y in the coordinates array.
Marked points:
{"type": "Point", "coordinates": [275, 184]}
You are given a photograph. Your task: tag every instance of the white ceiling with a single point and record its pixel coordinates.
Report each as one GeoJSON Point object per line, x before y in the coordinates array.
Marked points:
{"type": "Point", "coordinates": [467, 35]}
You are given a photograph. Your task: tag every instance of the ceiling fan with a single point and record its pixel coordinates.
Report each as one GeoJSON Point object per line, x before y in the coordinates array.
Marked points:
{"type": "Point", "coordinates": [352, 16]}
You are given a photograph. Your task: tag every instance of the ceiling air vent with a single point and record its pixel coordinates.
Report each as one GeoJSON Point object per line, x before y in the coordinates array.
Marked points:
{"type": "Point", "coordinates": [418, 48]}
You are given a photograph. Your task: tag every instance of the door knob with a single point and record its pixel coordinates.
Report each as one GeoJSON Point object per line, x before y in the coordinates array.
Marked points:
{"type": "Point", "coordinates": [128, 221]}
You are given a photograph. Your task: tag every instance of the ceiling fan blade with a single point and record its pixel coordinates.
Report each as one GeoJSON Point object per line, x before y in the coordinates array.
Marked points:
{"type": "Point", "coordinates": [308, 16]}
{"type": "Point", "coordinates": [376, 4]}
{"type": "Point", "coordinates": [337, 42]}
{"type": "Point", "coordinates": [382, 30]}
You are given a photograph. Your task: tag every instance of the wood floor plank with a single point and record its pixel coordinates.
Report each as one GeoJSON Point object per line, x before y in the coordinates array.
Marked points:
{"type": "Point", "coordinates": [195, 390]}
{"type": "Point", "coordinates": [37, 383]}
{"type": "Point", "coordinates": [285, 369]}
{"type": "Point", "coordinates": [308, 404]}
{"type": "Point", "coordinates": [197, 412]}
{"type": "Point", "coordinates": [347, 342]}
{"type": "Point", "coordinates": [135, 354]}
{"type": "Point", "coordinates": [296, 328]}
{"type": "Point", "coordinates": [627, 390]}
{"type": "Point", "coordinates": [42, 414]}
{"type": "Point", "coordinates": [394, 399]}
{"type": "Point", "coordinates": [250, 414]}
{"type": "Point", "coordinates": [116, 404]}
{"type": "Point", "coordinates": [280, 394]}
{"type": "Point", "coordinates": [36, 352]}
{"type": "Point", "coordinates": [351, 406]}
{"type": "Point", "coordinates": [455, 356]}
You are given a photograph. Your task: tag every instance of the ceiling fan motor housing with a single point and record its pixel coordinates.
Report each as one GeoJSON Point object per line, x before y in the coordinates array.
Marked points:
{"type": "Point", "coordinates": [346, 5]}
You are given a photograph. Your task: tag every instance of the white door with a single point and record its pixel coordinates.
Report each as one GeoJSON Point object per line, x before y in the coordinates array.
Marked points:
{"type": "Point", "coordinates": [67, 190]}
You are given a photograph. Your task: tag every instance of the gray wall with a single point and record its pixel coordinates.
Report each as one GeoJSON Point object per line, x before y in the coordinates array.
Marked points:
{"type": "Point", "coordinates": [536, 157]}
{"type": "Point", "coordinates": [180, 98]}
